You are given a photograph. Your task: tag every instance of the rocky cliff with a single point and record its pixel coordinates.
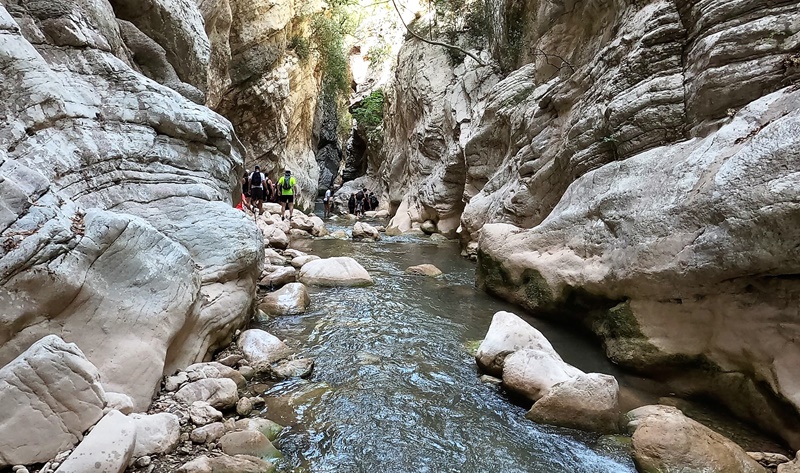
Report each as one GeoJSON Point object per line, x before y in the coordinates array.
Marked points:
{"type": "Point", "coordinates": [116, 218]}
{"type": "Point", "coordinates": [638, 164]}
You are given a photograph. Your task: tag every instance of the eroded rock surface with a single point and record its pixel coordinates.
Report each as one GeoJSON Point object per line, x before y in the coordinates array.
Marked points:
{"type": "Point", "coordinates": [117, 194]}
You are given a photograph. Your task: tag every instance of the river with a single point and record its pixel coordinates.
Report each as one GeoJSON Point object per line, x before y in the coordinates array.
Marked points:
{"type": "Point", "coordinates": [395, 387]}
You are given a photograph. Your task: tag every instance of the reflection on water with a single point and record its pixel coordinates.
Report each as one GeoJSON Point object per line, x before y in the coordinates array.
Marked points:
{"type": "Point", "coordinates": [394, 387]}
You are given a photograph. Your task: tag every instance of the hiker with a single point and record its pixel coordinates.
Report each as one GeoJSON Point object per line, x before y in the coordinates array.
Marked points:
{"type": "Point", "coordinates": [287, 186]}
{"type": "Point", "coordinates": [360, 203]}
{"type": "Point", "coordinates": [257, 191]}
{"type": "Point", "coordinates": [351, 203]}
{"type": "Point", "coordinates": [326, 200]}
{"type": "Point", "coordinates": [269, 189]}
{"type": "Point", "coordinates": [246, 189]}
{"type": "Point", "coordinates": [373, 201]}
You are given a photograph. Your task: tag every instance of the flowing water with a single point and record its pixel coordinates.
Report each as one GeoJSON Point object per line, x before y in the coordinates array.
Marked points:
{"type": "Point", "coordinates": [395, 387]}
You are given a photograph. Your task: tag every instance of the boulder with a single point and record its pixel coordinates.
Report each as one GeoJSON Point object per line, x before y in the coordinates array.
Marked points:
{"type": "Point", "coordinates": [273, 257]}
{"type": "Point", "coordinates": [790, 467]}
{"type": "Point", "coordinates": [319, 229]}
{"type": "Point", "coordinates": [279, 277]}
{"type": "Point", "coordinates": [301, 260]}
{"type": "Point", "coordinates": [424, 270]}
{"type": "Point", "coordinates": [273, 208]}
{"type": "Point", "coordinates": [214, 369]}
{"type": "Point", "coordinates": [382, 214]}
{"type": "Point", "coordinates": [532, 372]}
{"type": "Point", "coordinates": [294, 253]}
{"type": "Point", "coordinates": [267, 427]}
{"type": "Point", "coordinates": [248, 442]}
{"type": "Point", "coordinates": [429, 227]}
{"type": "Point", "coordinates": [119, 402]}
{"type": "Point", "coordinates": [301, 222]}
{"type": "Point", "coordinates": [173, 383]}
{"type": "Point", "coordinates": [339, 235]}
{"type": "Point", "coordinates": [337, 271]}
{"type": "Point", "coordinates": [208, 433]}
{"type": "Point", "coordinates": [275, 236]}
{"type": "Point", "coordinates": [297, 234]}
{"type": "Point", "coordinates": [508, 333]}
{"type": "Point", "coordinates": [261, 348]}
{"type": "Point", "coordinates": [772, 460]}
{"type": "Point", "coordinates": [49, 396]}
{"type": "Point", "coordinates": [291, 299]}
{"type": "Point", "coordinates": [227, 464]}
{"type": "Point", "coordinates": [244, 406]}
{"type": "Point", "coordinates": [202, 413]}
{"type": "Point", "coordinates": [108, 447]}
{"type": "Point", "coordinates": [286, 369]}
{"type": "Point", "coordinates": [362, 231]}
{"type": "Point", "coordinates": [666, 440]}
{"type": "Point", "coordinates": [219, 392]}
{"type": "Point", "coordinates": [586, 402]}
{"type": "Point", "coordinates": [155, 433]}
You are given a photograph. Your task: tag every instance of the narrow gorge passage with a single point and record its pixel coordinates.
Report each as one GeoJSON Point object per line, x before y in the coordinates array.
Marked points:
{"type": "Point", "coordinates": [395, 387]}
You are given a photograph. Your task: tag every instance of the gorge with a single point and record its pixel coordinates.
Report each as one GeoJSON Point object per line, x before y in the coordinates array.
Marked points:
{"type": "Point", "coordinates": [627, 169]}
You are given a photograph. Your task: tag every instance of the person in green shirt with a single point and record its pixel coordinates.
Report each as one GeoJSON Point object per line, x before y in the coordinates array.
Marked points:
{"type": "Point", "coordinates": [287, 187]}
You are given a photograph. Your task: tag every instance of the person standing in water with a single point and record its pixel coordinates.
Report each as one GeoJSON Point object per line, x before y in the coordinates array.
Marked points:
{"type": "Point", "coordinates": [257, 194]}
{"type": "Point", "coordinates": [287, 188]}
{"type": "Point", "coordinates": [327, 202]}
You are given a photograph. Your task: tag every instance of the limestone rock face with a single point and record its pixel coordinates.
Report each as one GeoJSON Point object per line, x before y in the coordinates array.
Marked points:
{"type": "Point", "coordinates": [117, 194]}
{"type": "Point", "coordinates": [49, 395]}
{"type": "Point", "coordinates": [666, 440]}
{"type": "Point", "coordinates": [646, 157]}
{"type": "Point", "coordinates": [108, 447]}
{"type": "Point", "coordinates": [336, 271]}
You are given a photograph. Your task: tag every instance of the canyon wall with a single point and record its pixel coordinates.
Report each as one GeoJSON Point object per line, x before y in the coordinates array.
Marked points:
{"type": "Point", "coordinates": [630, 165]}
{"type": "Point", "coordinates": [116, 219]}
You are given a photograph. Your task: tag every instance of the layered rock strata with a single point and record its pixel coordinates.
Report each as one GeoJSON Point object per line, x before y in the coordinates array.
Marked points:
{"type": "Point", "coordinates": [117, 227]}
{"type": "Point", "coordinates": [640, 171]}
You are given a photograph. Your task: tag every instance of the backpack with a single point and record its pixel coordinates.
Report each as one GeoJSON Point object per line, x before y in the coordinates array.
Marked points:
{"type": "Point", "coordinates": [255, 179]}
{"type": "Point", "coordinates": [373, 201]}
{"type": "Point", "coordinates": [287, 184]}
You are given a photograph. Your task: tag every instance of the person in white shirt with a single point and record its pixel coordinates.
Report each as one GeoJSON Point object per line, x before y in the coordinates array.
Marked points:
{"type": "Point", "coordinates": [327, 201]}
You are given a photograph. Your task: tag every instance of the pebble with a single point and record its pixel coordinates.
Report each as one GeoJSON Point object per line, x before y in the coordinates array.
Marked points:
{"type": "Point", "coordinates": [230, 360]}
{"type": "Point", "coordinates": [20, 469]}
{"type": "Point", "coordinates": [142, 462]}
{"type": "Point", "coordinates": [247, 371]}
{"type": "Point", "coordinates": [244, 406]}
{"type": "Point", "coordinates": [185, 437]}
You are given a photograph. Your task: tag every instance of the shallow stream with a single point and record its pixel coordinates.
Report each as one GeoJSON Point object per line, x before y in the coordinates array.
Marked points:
{"type": "Point", "coordinates": [395, 387]}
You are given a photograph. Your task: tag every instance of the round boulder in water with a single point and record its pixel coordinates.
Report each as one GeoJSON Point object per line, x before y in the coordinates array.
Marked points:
{"type": "Point", "coordinates": [337, 271]}
{"type": "Point", "coordinates": [424, 270]}
{"type": "Point", "coordinates": [289, 300]}
{"type": "Point", "coordinates": [587, 402]}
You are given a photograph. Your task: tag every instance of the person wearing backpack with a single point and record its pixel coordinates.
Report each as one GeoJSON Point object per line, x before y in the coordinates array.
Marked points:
{"type": "Point", "coordinates": [373, 201]}
{"type": "Point", "coordinates": [287, 186]}
{"type": "Point", "coordinates": [257, 193]}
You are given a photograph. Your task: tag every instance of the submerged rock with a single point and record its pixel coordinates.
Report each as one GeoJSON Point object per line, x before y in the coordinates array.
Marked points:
{"type": "Point", "coordinates": [424, 270]}
{"type": "Point", "coordinates": [248, 442]}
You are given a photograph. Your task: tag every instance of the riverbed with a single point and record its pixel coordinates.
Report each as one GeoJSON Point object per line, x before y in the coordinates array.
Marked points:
{"type": "Point", "coordinates": [395, 386]}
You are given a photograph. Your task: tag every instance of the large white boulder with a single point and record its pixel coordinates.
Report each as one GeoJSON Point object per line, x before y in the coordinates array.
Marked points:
{"type": "Point", "coordinates": [587, 402]}
{"type": "Point", "coordinates": [49, 396]}
{"type": "Point", "coordinates": [108, 448]}
{"type": "Point", "coordinates": [299, 261]}
{"type": "Point", "coordinates": [336, 271]}
{"type": "Point", "coordinates": [275, 236]}
{"type": "Point", "coordinates": [291, 299]}
{"type": "Point", "coordinates": [262, 348]}
{"type": "Point", "coordinates": [508, 333]}
{"type": "Point", "coordinates": [532, 372]}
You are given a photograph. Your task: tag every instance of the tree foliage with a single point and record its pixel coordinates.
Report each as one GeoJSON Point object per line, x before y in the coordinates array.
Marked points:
{"type": "Point", "coordinates": [328, 32]}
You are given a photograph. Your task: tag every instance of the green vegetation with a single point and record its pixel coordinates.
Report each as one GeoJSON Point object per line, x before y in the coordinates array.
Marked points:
{"type": "Point", "coordinates": [369, 116]}
{"type": "Point", "coordinates": [301, 46]}
{"type": "Point", "coordinates": [327, 31]}
{"type": "Point", "coordinates": [378, 54]}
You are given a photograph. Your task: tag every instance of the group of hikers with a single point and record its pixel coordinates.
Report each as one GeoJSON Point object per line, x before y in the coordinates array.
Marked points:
{"type": "Point", "coordinates": [362, 201]}
{"type": "Point", "coordinates": [258, 188]}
